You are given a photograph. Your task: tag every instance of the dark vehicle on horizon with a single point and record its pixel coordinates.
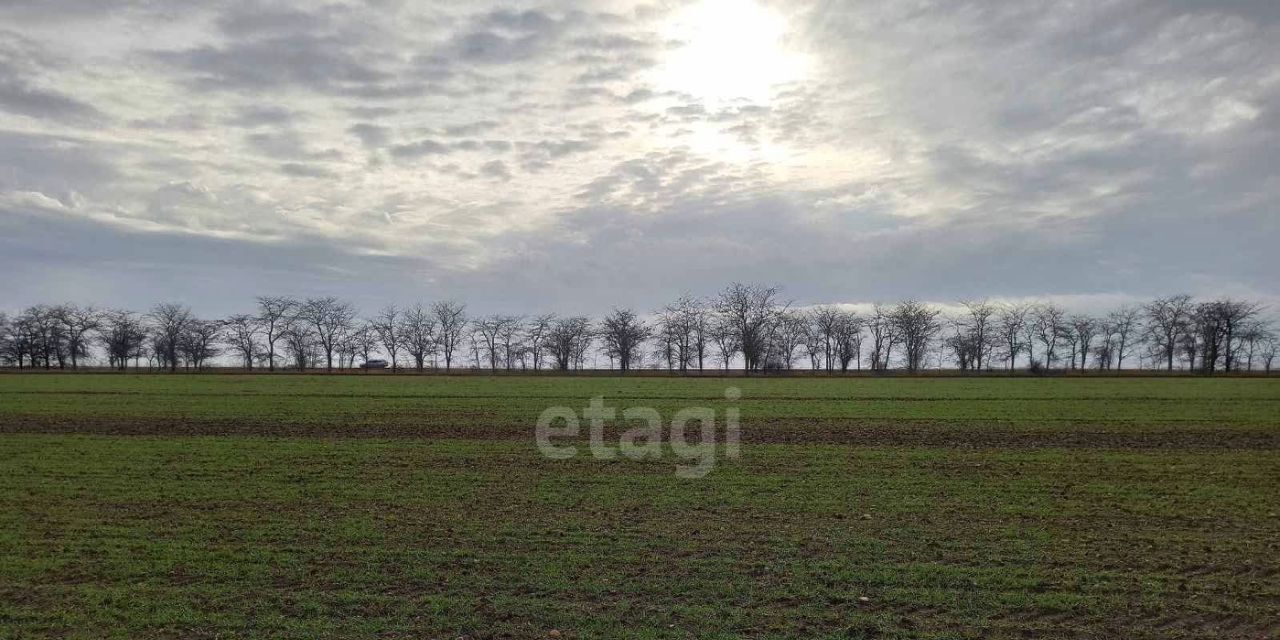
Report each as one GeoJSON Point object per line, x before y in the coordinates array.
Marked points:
{"type": "Point", "coordinates": [373, 364]}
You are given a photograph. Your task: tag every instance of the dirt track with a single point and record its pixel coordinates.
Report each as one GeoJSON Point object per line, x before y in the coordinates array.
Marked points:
{"type": "Point", "coordinates": [902, 433]}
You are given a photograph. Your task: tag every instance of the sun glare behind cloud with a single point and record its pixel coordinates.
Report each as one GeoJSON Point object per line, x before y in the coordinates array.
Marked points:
{"type": "Point", "coordinates": [730, 50]}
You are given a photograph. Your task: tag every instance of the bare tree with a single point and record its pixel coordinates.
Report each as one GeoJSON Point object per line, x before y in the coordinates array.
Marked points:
{"type": "Point", "coordinates": [669, 336]}
{"type": "Point", "coordinates": [962, 345]}
{"type": "Point", "coordinates": [1011, 324]}
{"type": "Point", "coordinates": [243, 334]}
{"type": "Point", "coordinates": [41, 336]}
{"type": "Point", "coordinates": [1210, 336]}
{"type": "Point", "coordinates": [169, 321]}
{"type": "Point", "coordinates": [275, 314]}
{"type": "Point", "coordinates": [13, 341]}
{"type": "Point", "coordinates": [622, 335]}
{"type": "Point", "coordinates": [6, 339]}
{"type": "Point", "coordinates": [683, 327]}
{"type": "Point", "coordinates": [1067, 336]}
{"type": "Point", "coordinates": [451, 324]}
{"type": "Point", "coordinates": [52, 337]}
{"type": "Point", "coordinates": [489, 332]}
{"type": "Point", "coordinates": [330, 320]}
{"type": "Point", "coordinates": [1217, 329]}
{"type": "Point", "coordinates": [417, 334]}
{"type": "Point", "coordinates": [848, 336]}
{"type": "Point", "coordinates": [198, 341]}
{"type": "Point", "coordinates": [826, 320]}
{"type": "Point", "coordinates": [1270, 345]}
{"type": "Point", "coordinates": [752, 312]}
{"type": "Point", "coordinates": [1083, 330]}
{"type": "Point", "coordinates": [725, 339]}
{"type": "Point", "coordinates": [536, 337]}
{"type": "Point", "coordinates": [1239, 320]}
{"type": "Point", "coordinates": [122, 334]}
{"type": "Point", "coordinates": [568, 340]}
{"type": "Point", "coordinates": [300, 344]}
{"type": "Point", "coordinates": [77, 324]}
{"type": "Point", "coordinates": [974, 334]}
{"type": "Point", "coordinates": [1104, 353]}
{"type": "Point", "coordinates": [25, 338]}
{"type": "Point", "coordinates": [883, 333]}
{"type": "Point", "coordinates": [1030, 334]}
{"type": "Point", "coordinates": [978, 323]}
{"type": "Point", "coordinates": [1255, 336]}
{"type": "Point", "coordinates": [788, 335]}
{"type": "Point", "coordinates": [1189, 346]}
{"type": "Point", "coordinates": [1208, 332]}
{"type": "Point", "coordinates": [362, 341]}
{"type": "Point", "coordinates": [665, 344]}
{"type": "Point", "coordinates": [1167, 322]}
{"type": "Point", "coordinates": [510, 338]}
{"type": "Point", "coordinates": [1123, 325]}
{"type": "Point", "coordinates": [701, 324]}
{"type": "Point", "coordinates": [917, 324]}
{"type": "Point", "coordinates": [476, 342]}
{"type": "Point", "coordinates": [386, 326]}
{"type": "Point", "coordinates": [1049, 322]}
{"type": "Point", "coordinates": [813, 341]}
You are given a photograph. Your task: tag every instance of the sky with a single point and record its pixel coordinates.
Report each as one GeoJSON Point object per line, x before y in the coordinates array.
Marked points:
{"type": "Point", "coordinates": [574, 157]}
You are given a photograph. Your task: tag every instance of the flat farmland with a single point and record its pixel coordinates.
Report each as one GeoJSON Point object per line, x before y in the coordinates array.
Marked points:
{"type": "Point", "coordinates": [299, 506]}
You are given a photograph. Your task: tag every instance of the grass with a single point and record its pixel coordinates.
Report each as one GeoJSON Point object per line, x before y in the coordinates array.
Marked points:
{"type": "Point", "coordinates": [172, 506]}
{"type": "Point", "coordinates": [396, 400]}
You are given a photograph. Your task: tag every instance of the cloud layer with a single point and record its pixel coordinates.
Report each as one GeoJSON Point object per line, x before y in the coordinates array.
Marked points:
{"type": "Point", "coordinates": [559, 156]}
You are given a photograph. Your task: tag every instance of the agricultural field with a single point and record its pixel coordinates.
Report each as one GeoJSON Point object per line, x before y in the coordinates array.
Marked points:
{"type": "Point", "coordinates": [299, 506]}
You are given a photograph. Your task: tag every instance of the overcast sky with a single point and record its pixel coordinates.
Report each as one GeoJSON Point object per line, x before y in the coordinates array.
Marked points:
{"type": "Point", "coordinates": [575, 156]}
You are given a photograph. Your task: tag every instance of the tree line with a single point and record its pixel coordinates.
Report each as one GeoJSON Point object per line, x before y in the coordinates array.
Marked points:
{"type": "Point", "coordinates": [746, 324]}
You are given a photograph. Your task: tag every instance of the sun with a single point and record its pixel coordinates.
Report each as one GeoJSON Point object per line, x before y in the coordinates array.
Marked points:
{"type": "Point", "coordinates": [728, 51]}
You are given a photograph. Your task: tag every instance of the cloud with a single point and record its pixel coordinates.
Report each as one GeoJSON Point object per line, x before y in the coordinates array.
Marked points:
{"type": "Point", "coordinates": [300, 170]}
{"type": "Point", "coordinates": [56, 165]}
{"type": "Point", "coordinates": [419, 149]}
{"type": "Point", "coordinates": [471, 128]}
{"type": "Point", "coordinates": [535, 156]}
{"type": "Point", "coordinates": [16, 96]}
{"type": "Point", "coordinates": [319, 63]}
{"type": "Point", "coordinates": [287, 144]}
{"type": "Point", "coordinates": [495, 169]}
{"type": "Point", "coordinates": [370, 135]}
{"type": "Point", "coordinates": [504, 36]}
{"type": "Point", "coordinates": [551, 156]}
{"type": "Point", "coordinates": [22, 63]}
{"type": "Point", "coordinates": [263, 115]}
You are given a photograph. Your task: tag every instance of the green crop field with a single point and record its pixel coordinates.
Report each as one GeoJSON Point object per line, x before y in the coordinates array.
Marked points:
{"type": "Point", "coordinates": [179, 506]}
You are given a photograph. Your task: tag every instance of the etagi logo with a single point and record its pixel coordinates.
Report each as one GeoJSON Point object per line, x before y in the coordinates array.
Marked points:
{"type": "Point", "coordinates": [647, 441]}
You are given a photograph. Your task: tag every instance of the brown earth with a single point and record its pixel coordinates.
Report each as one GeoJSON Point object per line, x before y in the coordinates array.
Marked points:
{"type": "Point", "coordinates": [775, 431]}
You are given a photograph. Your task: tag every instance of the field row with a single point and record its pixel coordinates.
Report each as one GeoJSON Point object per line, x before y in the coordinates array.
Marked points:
{"type": "Point", "coordinates": [410, 507]}
{"type": "Point", "coordinates": [360, 402]}
{"type": "Point", "coordinates": [299, 538]}
{"type": "Point", "coordinates": [376, 385]}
